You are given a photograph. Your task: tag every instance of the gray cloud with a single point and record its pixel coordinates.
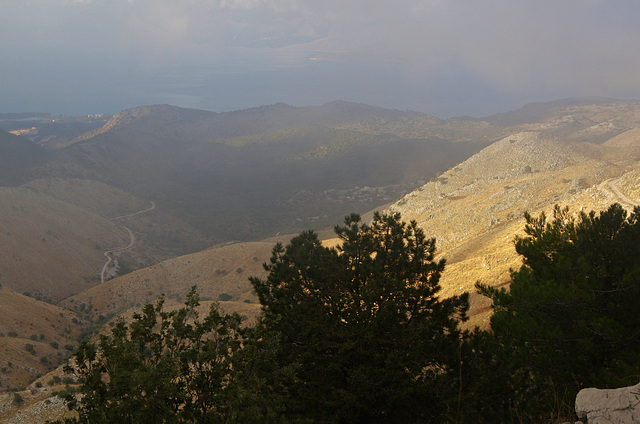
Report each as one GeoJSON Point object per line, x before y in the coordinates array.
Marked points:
{"type": "Point", "coordinates": [442, 57]}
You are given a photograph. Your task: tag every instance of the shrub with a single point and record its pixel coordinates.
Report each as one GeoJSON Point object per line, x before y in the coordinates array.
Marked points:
{"type": "Point", "coordinates": [17, 399]}
{"type": "Point", "coordinates": [223, 297]}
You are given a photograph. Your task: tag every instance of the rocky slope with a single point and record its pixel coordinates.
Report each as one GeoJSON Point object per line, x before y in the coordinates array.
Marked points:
{"type": "Point", "coordinates": [581, 154]}
{"type": "Point", "coordinates": [50, 330]}
{"type": "Point", "coordinates": [475, 209]}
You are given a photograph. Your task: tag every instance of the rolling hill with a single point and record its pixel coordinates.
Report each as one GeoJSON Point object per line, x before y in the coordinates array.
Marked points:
{"type": "Point", "coordinates": [157, 182]}
{"type": "Point", "coordinates": [52, 332]}
{"type": "Point", "coordinates": [250, 174]}
{"type": "Point", "coordinates": [296, 168]}
{"type": "Point", "coordinates": [51, 249]}
{"type": "Point", "coordinates": [211, 178]}
{"type": "Point", "coordinates": [475, 209]}
{"type": "Point", "coordinates": [18, 157]}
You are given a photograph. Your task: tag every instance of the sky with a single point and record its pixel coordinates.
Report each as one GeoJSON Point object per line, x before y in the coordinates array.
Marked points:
{"type": "Point", "coordinates": [442, 57]}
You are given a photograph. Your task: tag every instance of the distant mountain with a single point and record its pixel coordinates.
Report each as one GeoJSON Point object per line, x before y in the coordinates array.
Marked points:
{"type": "Point", "coordinates": [170, 121]}
{"type": "Point", "coordinates": [18, 158]}
{"type": "Point", "coordinates": [219, 178]}
{"type": "Point", "coordinates": [532, 113]}
{"type": "Point", "coordinates": [252, 173]}
{"type": "Point", "coordinates": [50, 131]}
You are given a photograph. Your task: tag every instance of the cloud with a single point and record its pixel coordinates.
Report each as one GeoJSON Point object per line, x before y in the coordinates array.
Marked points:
{"type": "Point", "coordinates": [573, 46]}
{"type": "Point", "coordinates": [499, 49]}
{"type": "Point", "coordinates": [276, 5]}
{"type": "Point", "coordinates": [155, 25]}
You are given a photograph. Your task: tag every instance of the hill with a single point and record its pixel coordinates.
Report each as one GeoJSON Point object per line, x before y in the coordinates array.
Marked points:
{"type": "Point", "coordinates": [50, 330]}
{"type": "Point", "coordinates": [201, 178]}
{"type": "Point", "coordinates": [50, 131]}
{"type": "Point", "coordinates": [475, 209]}
{"type": "Point", "coordinates": [212, 178]}
{"type": "Point", "coordinates": [159, 235]}
{"type": "Point", "coordinates": [18, 157]}
{"type": "Point", "coordinates": [250, 174]}
{"type": "Point", "coordinates": [220, 274]}
{"type": "Point", "coordinates": [51, 249]}
{"type": "Point", "coordinates": [280, 174]}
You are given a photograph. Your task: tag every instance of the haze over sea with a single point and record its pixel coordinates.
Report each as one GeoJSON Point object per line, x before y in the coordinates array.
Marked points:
{"type": "Point", "coordinates": [442, 58]}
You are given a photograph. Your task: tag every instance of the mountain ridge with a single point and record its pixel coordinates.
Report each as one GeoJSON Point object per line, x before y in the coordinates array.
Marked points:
{"type": "Point", "coordinates": [582, 154]}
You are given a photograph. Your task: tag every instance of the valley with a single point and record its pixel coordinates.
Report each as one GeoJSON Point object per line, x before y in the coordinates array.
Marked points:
{"type": "Point", "coordinates": [110, 267]}
{"type": "Point", "coordinates": [182, 197]}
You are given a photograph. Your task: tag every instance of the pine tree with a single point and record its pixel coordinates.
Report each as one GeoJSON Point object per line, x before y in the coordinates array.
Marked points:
{"type": "Point", "coordinates": [362, 325]}
{"type": "Point", "coordinates": [570, 318]}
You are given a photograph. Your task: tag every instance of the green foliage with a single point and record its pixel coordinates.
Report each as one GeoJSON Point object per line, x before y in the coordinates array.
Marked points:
{"type": "Point", "coordinates": [17, 399]}
{"type": "Point", "coordinates": [357, 333]}
{"type": "Point", "coordinates": [359, 328]}
{"type": "Point", "coordinates": [224, 297]}
{"type": "Point", "coordinates": [570, 318]}
{"type": "Point", "coordinates": [165, 367]}
{"type": "Point", "coordinates": [67, 380]}
{"type": "Point", "coordinates": [54, 380]}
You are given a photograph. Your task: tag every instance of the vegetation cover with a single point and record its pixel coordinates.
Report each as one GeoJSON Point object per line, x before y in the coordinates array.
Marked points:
{"type": "Point", "coordinates": [357, 333]}
{"type": "Point", "coordinates": [165, 367]}
{"type": "Point", "coordinates": [362, 323]}
{"type": "Point", "coordinates": [570, 318]}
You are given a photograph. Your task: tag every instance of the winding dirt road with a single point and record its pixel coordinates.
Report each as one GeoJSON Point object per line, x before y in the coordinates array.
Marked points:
{"type": "Point", "coordinates": [132, 241]}
{"type": "Point", "coordinates": [150, 208]}
{"type": "Point", "coordinates": [611, 184]}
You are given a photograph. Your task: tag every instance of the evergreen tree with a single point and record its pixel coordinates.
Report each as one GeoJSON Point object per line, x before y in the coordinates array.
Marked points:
{"type": "Point", "coordinates": [361, 326]}
{"type": "Point", "coordinates": [570, 318]}
{"type": "Point", "coordinates": [165, 367]}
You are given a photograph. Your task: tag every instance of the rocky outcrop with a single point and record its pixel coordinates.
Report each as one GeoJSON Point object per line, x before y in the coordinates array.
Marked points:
{"type": "Point", "coordinates": [615, 406]}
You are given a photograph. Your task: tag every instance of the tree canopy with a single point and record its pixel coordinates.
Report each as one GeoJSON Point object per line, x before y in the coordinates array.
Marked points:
{"type": "Point", "coordinates": [570, 318]}
{"type": "Point", "coordinates": [357, 333]}
{"type": "Point", "coordinates": [362, 323]}
{"type": "Point", "coordinates": [164, 367]}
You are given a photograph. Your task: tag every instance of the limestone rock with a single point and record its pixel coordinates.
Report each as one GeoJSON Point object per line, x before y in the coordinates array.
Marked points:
{"type": "Point", "coordinates": [615, 406]}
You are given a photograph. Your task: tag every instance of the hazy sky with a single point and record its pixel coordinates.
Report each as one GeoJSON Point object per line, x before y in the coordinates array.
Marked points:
{"type": "Point", "coordinates": [443, 57]}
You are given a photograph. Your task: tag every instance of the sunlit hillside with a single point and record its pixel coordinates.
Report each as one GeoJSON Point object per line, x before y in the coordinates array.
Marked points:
{"type": "Point", "coordinates": [580, 154]}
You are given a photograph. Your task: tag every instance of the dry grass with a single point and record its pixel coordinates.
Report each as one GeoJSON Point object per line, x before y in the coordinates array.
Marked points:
{"type": "Point", "coordinates": [48, 328]}
{"type": "Point", "coordinates": [215, 272]}
{"type": "Point", "coordinates": [474, 210]}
